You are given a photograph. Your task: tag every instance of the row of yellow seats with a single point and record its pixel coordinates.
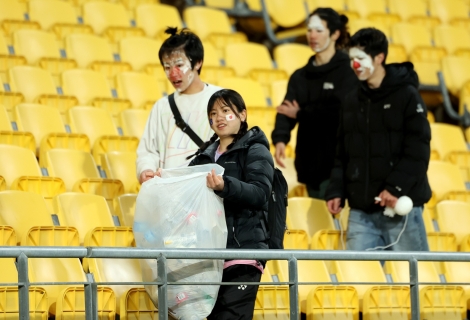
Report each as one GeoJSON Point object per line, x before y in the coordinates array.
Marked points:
{"type": "Point", "coordinates": [373, 299]}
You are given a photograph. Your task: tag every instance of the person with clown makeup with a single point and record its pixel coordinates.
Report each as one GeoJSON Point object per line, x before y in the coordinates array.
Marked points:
{"type": "Point", "coordinates": [245, 187]}
{"type": "Point", "coordinates": [383, 151]}
{"type": "Point", "coordinates": [163, 144]}
{"type": "Point", "coordinates": [313, 100]}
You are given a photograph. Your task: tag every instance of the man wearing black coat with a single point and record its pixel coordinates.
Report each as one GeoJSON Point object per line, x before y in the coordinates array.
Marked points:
{"type": "Point", "coordinates": [383, 150]}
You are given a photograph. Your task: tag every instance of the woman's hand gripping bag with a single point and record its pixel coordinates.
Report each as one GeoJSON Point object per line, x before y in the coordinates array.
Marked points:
{"type": "Point", "coordinates": [178, 210]}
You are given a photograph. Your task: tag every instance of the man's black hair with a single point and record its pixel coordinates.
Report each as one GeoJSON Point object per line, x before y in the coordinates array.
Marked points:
{"type": "Point", "coordinates": [372, 41]}
{"type": "Point", "coordinates": [186, 41]}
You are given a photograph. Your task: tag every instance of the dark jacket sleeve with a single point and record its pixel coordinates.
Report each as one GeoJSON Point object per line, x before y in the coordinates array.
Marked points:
{"type": "Point", "coordinates": [416, 148]}
{"type": "Point", "coordinates": [284, 124]}
{"type": "Point", "coordinates": [258, 176]}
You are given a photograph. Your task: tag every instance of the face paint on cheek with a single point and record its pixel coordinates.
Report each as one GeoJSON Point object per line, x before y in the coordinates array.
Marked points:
{"type": "Point", "coordinates": [211, 122]}
{"type": "Point", "coordinates": [230, 117]}
{"type": "Point", "coordinates": [361, 62]}
{"type": "Point", "coordinates": [315, 23]}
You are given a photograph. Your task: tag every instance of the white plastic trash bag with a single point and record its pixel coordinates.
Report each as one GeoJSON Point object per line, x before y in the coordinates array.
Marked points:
{"type": "Point", "coordinates": [178, 210]}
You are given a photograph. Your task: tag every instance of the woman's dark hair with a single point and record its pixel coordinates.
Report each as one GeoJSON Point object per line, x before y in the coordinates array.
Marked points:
{"type": "Point", "coordinates": [373, 42]}
{"type": "Point", "coordinates": [185, 40]}
{"type": "Point", "coordinates": [235, 102]}
{"type": "Point", "coordinates": [334, 21]}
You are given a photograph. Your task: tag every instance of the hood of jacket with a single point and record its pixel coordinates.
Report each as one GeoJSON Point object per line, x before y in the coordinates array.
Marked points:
{"type": "Point", "coordinates": [397, 75]}
{"type": "Point", "coordinates": [252, 136]}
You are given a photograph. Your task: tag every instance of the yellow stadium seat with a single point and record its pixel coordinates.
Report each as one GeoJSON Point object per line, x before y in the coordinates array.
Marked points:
{"type": "Point", "coordinates": [137, 305]}
{"type": "Point", "coordinates": [452, 217]}
{"type": "Point", "coordinates": [450, 11]}
{"type": "Point", "coordinates": [329, 302]}
{"type": "Point", "coordinates": [133, 122]}
{"type": "Point", "coordinates": [40, 48]}
{"type": "Point", "coordinates": [98, 125]}
{"type": "Point", "coordinates": [7, 60]}
{"type": "Point", "coordinates": [222, 4]}
{"type": "Point", "coordinates": [296, 239]}
{"type": "Point", "coordinates": [91, 51]}
{"type": "Point", "coordinates": [328, 240]}
{"type": "Point", "coordinates": [396, 53]}
{"type": "Point", "coordinates": [413, 11]}
{"type": "Point", "coordinates": [382, 302]}
{"type": "Point", "coordinates": [359, 271]}
{"type": "Point", "coordinates": [213, 71]}
{"type": "Point", "coordinates": [155, 18]}
{"type": "Point", "coordinates": [449, 141]}
{"type": "Point", "coordinates": [5, 123]}
{"type": "Point", "coordinates": [412, 37]}
{"type": "Point", "coordinates": [78, 170]}
{"type": "Point", "coordinates": [92, 88]}
{"type": "Point", "coordinates": [454, 72]}
{"type": "Point", "coordinates": [82, 211]}
{"type": "Point", "coordinates": [250, 90]}
{"type": "Point", "coordinates": [15, 138]}
{"type": "Point", "coordinates": [12, 17]}
{"type": "Point", "coordinates": [338, 5]}
{"type": "Point", "coordinates": [278, 92]}
{"type": "Point", "coordinates": [357, 24]}
{"type": "Point", "coordinates": [57, 16]}
{"type": "Point", "coordinates": [309, 214]}
{"type": "Point", "coordinates": [23, 210]}
{"type": "Point", "coordinates": [21, 172]}
{"type": "Point", "coordinates": [37, 85]}
{"type": "Point", "coordinates": [458, 272]}
{"type": "Point", "coordinates": [121, 165]}
{"type": "Point", "coordinates": [52, 236]}
{"type": "Point", "coordinates": [442, 241]}
{"type": "Point", "coordinates": [253, 60]}
{"type": "Point", "coordinates": [263, 117]}
{"type": "Point", "coordinates": [291, 16]}
{"type": "Point", "coordinates": [124, 207]}
{"type": "Point", "coordinates": [375, 10]}
{"type": "Point", "coordinates": [446, 181]}
{"type": "Point", "coordinates": [114, 270]}
{"type": "Point", "coordinates": [272, 302]}
{"type": "Point", "coordinates": [46, 124]}
{"type": "Point", "coordinates": [109, 19]}
{"type": "Point", "coordinates": [291, 56]}
{"type": "Point", "coordinates": [140, 89]}
{"type": "Point", "coordinates": [212, 25]}
{"type": "Point", "coordinates": [455, 39]}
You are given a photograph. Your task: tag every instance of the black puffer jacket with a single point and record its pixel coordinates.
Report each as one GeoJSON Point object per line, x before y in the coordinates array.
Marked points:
{"type": "Point", "coordinates": [248, 181]}
{"type": "Point", "coordinates": [319, 91]}
{"type": "Point", "coordinates": [383, 143]}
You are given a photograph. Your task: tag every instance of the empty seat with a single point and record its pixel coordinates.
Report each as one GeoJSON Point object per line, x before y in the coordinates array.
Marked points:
{"type": "Point", "coordinates": [92, 88]}
{"type": "Point", "coordinates": [98, 125]}
{"type": "Point", "coordinates": [155, 18]}
{"type": "Point", "coordinates": [309, 214]}
{"type": "Point", "coordinates": [412, 37]}
{"type": "Point", "coordinates": [121, 165]}
{"type": "Point", "coordinates": [263, 117]}
{"type": "Point", "coordinates": [296, 239]}
{"type": "Point", "coordinates": [40, 48]}
{"type": "Point", "coordinates": [278, 92]}
{"type": "Point", "coordinates": [213, 71]}
{"type": "Point", "coordinates": [83, 211]}
{"type": "Point", "coordinates": [212, 25]}
{"type": "Point", "coordinates": [110, 20]}
{"type": "Point", "coordinates": [7, 60]}
{"type": "Point", "coordinates": [57, 16]}
{"type": "Point", "coordinates": [454, 72]}
{"type": "Point", "coordinates": [250, 90]}
{"type": "Point", "coordinates": [455, 39]}
{"type": "Point", "coordinates": [458, 272]}
{"type": "Point", "coordinates": [450, 11]}
{"type": "Point", "coordinates": [19, 168]}
{"type": "Point", "coordinates": [357, 24]}
{"type": "Point", "coordinates": [446, 181]}
{"type": "Point", "coordinates": [328, 240]}
{"type": "Point", "coordinates": [91, 51]}
{"type": "Point", "coordinates": [141, 89]}
{"type": "Point", "coordinates": [373, 10]}
{"type": "Point", "coordinates": [291, 56]}
{"type": "Point", "coordinates": [46, 124]}
{"type": "Point", "coordinates": [133, 122]}
{"type": "Point", "coordinates": [413, 11]}
{"type": "Point", "coordinates": [338, 5]}
{"type": "Point", "coordinates": [23, 210]}
{"type": "Point", "coordinates": [12, 17]}
{"type": "Point", "coordinates": [453, 216]}
{"type": "Point", "coordinates": [125, 207]}
{"type": "Point", "coordinates": [16, 138]}
{"type": "Point", "coordinates": [37, 85]}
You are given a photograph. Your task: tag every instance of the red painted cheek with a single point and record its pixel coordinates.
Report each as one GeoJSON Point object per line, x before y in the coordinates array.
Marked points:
{"type": "Point", "coordinates": [356, 65]}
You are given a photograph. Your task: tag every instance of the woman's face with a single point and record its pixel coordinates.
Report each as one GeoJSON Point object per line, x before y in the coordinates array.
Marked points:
{"type": "Point", "coordinates": [318, 34]}
{"type": "Point", "coordinates": [225, 121]}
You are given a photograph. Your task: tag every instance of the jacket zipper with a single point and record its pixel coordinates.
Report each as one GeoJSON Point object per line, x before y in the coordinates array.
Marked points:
{"type": "Point", "coordinates": [235, 238]}
{"type": "Point", "coordinates": [367, 151]}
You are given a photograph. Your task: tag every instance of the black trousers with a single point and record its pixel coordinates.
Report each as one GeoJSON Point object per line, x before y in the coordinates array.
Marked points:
{"type": "Point", "coordinates": [236, 301]}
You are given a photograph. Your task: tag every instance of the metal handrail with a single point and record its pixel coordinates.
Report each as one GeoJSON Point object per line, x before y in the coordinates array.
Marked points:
{"type": "Point", "coordinates": [292, 256]}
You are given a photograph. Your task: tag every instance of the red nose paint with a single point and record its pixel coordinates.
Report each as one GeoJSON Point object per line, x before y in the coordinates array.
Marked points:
{"type": "Point", "coordinates": [356, 65]}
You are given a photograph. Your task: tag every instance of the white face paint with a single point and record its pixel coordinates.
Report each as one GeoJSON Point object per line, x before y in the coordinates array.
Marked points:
{"type": "Point", "coordinates": [230, 117]}
{"type": "Point", "coordinates": [361, 63]}
{"type": "Point", "coordinates": [318, 35]}
{"type": "Point", "coordinates": [178, 70]}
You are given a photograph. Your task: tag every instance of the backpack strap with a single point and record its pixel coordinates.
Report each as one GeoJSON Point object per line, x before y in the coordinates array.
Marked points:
{"type": "Point", "coordinates": [181, 123]}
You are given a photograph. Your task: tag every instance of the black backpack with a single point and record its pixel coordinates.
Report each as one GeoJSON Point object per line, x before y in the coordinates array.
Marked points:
{"type": "Point", "coordinates": [277, 209]}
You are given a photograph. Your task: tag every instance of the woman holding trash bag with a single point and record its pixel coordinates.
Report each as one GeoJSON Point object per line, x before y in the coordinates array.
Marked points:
{"type": "Point", "coordinates": [245, 188]}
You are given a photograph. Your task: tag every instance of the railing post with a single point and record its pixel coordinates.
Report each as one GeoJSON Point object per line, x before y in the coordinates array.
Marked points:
{"type": "Point", "coordinates": [293, 289]}
{"type": "Point", "coordinates": [91, 298]}
{"type": "Point", "coordinates": [23, 288]}
{"type": "Point", "coordinates": [162, 288]}
{"type": "Point", "coordinates": [414, 289]}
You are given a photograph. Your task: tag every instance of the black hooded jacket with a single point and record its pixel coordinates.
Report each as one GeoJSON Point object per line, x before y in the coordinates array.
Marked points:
{"type": "Point", "coordinates": [248, 178]}
{"type": "Point", "coordinates": [319, 91]}
{"type": "Point", "coordinates": [383, 142]}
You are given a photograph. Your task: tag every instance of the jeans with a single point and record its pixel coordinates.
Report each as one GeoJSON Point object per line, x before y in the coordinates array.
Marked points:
{"type": "Point", "coordinates": [367, 231]}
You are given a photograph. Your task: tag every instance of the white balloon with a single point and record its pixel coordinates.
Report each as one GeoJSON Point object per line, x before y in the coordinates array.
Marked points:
{"type": "Point", "coordinates": [403, 206]}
